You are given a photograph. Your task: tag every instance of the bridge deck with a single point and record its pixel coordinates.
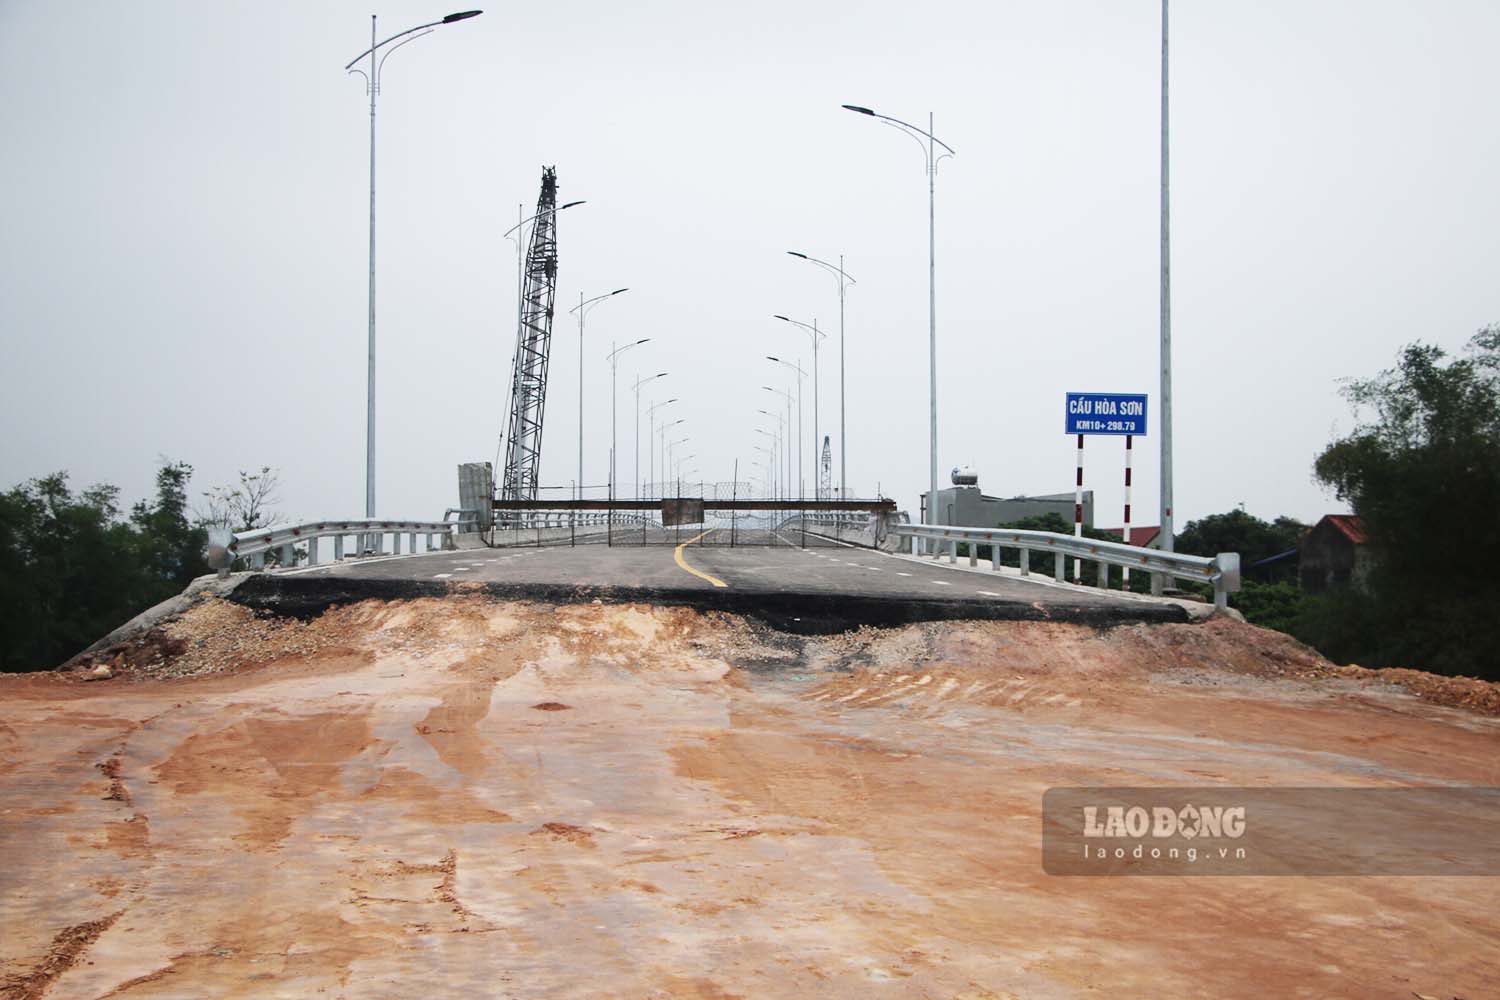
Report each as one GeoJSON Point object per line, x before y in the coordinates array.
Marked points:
{"type": "Point", "coordinates": [829, 581]}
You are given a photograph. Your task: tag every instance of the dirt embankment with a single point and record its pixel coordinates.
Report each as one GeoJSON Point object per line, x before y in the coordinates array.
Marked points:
{"type": "Point", "coordinates": [446, 796]}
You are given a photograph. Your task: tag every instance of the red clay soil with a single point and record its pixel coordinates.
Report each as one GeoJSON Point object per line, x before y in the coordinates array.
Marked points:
{"type": "Point", "coordinates": [466, 798]}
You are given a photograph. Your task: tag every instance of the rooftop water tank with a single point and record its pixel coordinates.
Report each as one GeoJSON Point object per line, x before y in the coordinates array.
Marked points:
{"type": "Point", "coordinates": [964, 475]}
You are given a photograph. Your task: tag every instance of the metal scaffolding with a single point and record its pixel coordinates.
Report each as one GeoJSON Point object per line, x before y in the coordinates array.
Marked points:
{"type": "Point", "coordinates": [528, 391]}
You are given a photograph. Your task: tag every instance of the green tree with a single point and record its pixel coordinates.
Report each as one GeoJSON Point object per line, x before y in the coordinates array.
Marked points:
{"type": "Point", "coordinates": [1422, 469]}
{"type": "Point", "coordinates": [1238, 531]}
{"type": "Point", "coordinates": [72, 568]}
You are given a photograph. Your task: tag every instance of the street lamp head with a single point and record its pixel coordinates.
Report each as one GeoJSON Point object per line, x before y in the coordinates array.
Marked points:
{"type": "Point", "coordinates": [856, 107]}
{"type": "Point", "coordinates": [796, 254]}
{"type": "Point", "coordinates": [572, 203]}
{"type": "Point", "coordinates": [462, 15]}
{"type": "Point", "coordinates": [770, 358]}
{"type": "Point", "coordinates": [642, 340]}
{"type": "Point", "coordinates": [617, 291]}
{"type": "Point", "coordinates": [784, 319]}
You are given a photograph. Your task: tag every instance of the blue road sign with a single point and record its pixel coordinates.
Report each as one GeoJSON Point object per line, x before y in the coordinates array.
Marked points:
{"type": "Point", "coordinates": [1106, 413]}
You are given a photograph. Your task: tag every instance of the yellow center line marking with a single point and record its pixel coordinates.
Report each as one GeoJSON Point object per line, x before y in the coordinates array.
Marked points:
{"type": "Point", "coordinates": [698, 573]}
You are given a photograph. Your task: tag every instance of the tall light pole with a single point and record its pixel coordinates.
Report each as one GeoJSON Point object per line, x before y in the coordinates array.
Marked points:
{"type": "Point", "coordinates": [651, 438]}
{"type": "Point", "coordinates": [638, 383]}
{"type": "Point", "coordinates": [664, 429]}
{"type": "Point", "coordinates": [613, 357]}
{"type": "Point", "coordinates": [844, 281]}
{"type": "Point", "coordinates": [797, 479]}
{"type": "Point", "coordinates": [775, 451]}
{"type": "Point", "coordinates": [929, 149]}
{"type": "Point", "coordinates": [801, 484]}
{"type": "Point", "coordinates": [666, 459]}
{"type": "Point", "coordinates": [372, 85]}
{"type": "Point", "coordinates": [1167, 540]}
{"type": "Point", "coordinates": [582, 309]}
{"type": "Point", "coordinates": [812, 331]}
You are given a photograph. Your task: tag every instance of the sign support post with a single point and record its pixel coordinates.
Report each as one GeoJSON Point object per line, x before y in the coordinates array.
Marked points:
{"type": "Point", "coordinates": [1078, 512]}
{"type": "Point", "coordinates": [1113, 413]}
{"type": "Point", "coordinates": [1125, 532]}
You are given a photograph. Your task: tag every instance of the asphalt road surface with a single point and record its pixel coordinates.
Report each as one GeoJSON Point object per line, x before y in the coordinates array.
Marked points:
{"type": "Point", "coordinates": [828, 585]}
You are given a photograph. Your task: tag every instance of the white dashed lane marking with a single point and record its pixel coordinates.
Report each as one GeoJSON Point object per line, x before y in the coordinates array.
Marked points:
{"type": "Point", "coordinates": [942, 583]}
{"type": "Point", "coordinates": [441, 576]}
{"type": "Point", "coordinates": [899, 573]}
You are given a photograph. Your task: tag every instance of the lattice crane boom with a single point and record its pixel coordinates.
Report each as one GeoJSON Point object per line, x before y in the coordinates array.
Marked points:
{"type": "Point", "coordinates": [528, 390]}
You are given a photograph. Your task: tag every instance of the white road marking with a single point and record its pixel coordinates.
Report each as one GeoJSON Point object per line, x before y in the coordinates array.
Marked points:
{"type": "Point", "coordinates": [899, 573]}
{"type": "Point", "coordinates": [988, 593]}
{"type": "Point", "coordinates": [941, 583]}
{"type": "Point", "coordinates": [441, 576]}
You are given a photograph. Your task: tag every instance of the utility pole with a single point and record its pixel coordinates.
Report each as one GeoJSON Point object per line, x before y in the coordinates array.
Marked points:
{"type": "Point", "coordinates": [1167, 541]}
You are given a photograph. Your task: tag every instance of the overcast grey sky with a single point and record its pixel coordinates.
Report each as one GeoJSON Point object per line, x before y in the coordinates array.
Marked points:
{"type": "Point", "coordinates": [182, 258]}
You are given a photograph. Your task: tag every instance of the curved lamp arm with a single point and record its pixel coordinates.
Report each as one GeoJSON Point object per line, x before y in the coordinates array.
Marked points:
{"type": "Point", "coordinates": [451, 18]}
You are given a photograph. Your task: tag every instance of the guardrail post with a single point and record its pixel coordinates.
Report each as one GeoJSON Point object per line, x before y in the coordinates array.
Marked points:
{"type": "Point", "coordinates": [258, 561]}
{"type": "Point", "coordinates": [288, 555]}
{"type": "Point", "coordinates": [395, 543]}
{"type": "Point", "coordinates": [953, 550]}
{"type": "Point", "coordinates": [1103, 575]}
{"type": "Point", "coordinates": [1059, 567]}
{"type": "Point", "coordinates": [1025, 562]}
{"type": "Point", "coordinates": [1228, 580]}
{"type": "Point", "coordinates": [973, 554]}
{"type": "Point", "coordinates": [413, 541]}
{"type": "Point", "coordinates": [995, 557]}
{"type": "Point", "coordinates": [338, 548]}
{"type": "Point", "coordinates": [312, 551]}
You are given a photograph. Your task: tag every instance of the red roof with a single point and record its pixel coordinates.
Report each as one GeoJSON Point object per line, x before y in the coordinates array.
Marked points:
{"type": "Point", "coordinates": [1139, 536]}
{"type": "Point", "coordinates": [1351, 526]}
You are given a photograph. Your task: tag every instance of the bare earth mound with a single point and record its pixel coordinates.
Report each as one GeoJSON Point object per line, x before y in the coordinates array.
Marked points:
{"type": "Point", "coordinates": [466, 797]}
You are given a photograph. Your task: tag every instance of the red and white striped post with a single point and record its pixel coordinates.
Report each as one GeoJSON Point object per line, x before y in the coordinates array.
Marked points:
{"type": "Point", "coordinates": [1125, 534]}
{"type": "Point", "coordinates": [1078, 512]}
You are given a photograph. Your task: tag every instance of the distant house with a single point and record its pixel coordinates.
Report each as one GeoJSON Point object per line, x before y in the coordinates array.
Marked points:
{"type": "Point", "coordinates": [1334, 553]}
{"type": "Point", "coordinates": [1143, 536]}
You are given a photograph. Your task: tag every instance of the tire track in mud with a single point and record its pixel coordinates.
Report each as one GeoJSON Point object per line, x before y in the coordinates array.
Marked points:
{"type": "Point", "coordinates": [67, 947]}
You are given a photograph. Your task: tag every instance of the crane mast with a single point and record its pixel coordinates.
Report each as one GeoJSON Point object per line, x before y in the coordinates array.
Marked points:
{"type": "Point", "coordinates": [528, 390]}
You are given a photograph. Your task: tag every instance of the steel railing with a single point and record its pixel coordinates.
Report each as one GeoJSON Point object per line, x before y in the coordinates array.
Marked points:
{"type": "Point", "coordinates": [1222, 571]}
{"type": "Point", "coordinates": [225, 547]}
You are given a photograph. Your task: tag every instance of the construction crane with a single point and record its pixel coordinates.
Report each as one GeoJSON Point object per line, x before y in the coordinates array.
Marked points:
{"type": "Point", "coordinates": [528, 387]}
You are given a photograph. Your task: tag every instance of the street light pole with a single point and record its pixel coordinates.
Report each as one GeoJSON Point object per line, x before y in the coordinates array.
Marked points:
{"type": "Point", "coordinates": [929, 149]}
{"type": "Point", "coordinates": [791, 479]}
{"type": "Point", "coordinates": [638, 383]}
{"type": "Point", "coordinates": [844, 281]}
{"type": "Point", "coordinates": [372, 84]}
{"type": "Point", "coordinates": [614, 366]}
{"type": "Point", "coordinates": [812, 331]}
{"type": "Point", "coordinates": [582, 308]}
{"type": "Point", "coordinates": [801, 484]}
{"type": "Point", "coordinates": [664, 453]}
{"type": "Point", "coordinates": [1167, 540]}
{"type": "Point", "coordinates": [651, 440]}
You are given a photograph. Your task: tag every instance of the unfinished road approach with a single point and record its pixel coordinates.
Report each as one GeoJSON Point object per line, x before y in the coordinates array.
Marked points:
{"type": "Point", "coordinates": [425, 780]}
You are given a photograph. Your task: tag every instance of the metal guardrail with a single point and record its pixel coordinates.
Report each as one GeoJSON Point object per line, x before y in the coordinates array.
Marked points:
{"type": "Point", "coordinates": [1222, 571]}
{"type": "Point", "coordinates": [225, 547]}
